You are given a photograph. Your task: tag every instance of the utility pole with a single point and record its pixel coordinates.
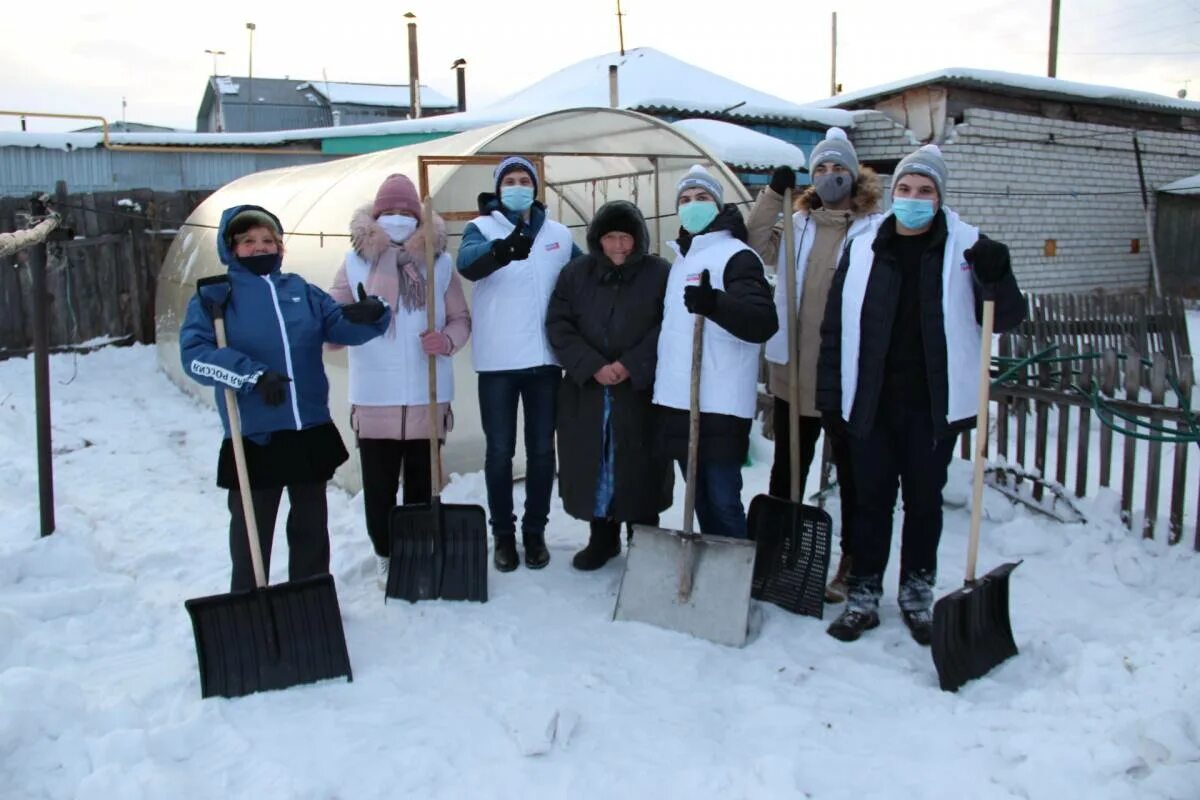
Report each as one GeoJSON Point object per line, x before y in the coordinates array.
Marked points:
{"type": "Point", "coordinates": [37, 255]}
{"type": "Point", "coordinates": [250, 26]}
{"type": "Point", "coordinates": [124, 125]}
{"type": "Point", "coordinates": [833, 84]}
{"type": "Point", "coordinates": [621, 26]}
{"type": "Point", "coordinates": [414, 72]}
{"type": "Point", "coordinates": [1052, 69]}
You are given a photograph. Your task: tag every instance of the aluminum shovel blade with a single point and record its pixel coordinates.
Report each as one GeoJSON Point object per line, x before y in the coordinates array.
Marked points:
{"type": "Point", "coordinates": [718, 606]}
{"type": "Point", "coordinates": [972, 631]}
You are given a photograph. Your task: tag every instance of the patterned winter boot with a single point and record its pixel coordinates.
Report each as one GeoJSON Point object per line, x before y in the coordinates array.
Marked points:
{"type": "Point", "coordinates": [862, 608]}
{"type": "Point", "coordinates": [604, 543]}
{"type": "Point", "coordinates": [505, 555]}
{"type": "Point", "coordinates": [536, 554]}
{"type": "Point", "coordinates": [916, 604]}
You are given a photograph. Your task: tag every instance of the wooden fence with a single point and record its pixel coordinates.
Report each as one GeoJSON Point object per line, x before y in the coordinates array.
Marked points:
{"type": "Point", "coordinates": [102, 282]}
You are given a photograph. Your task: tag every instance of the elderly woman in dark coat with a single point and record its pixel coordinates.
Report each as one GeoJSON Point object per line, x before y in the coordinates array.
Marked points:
{"type": "Point", "coordinates": [603, 323]}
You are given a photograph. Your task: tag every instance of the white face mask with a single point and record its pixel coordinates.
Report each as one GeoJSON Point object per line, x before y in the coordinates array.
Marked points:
{"type": "Point", "coordinates": [398, 226]}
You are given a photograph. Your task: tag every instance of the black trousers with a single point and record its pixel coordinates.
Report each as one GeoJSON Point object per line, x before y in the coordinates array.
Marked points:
{"type": "Point", "coordinates": [899, 452]}
{"type": "Point", "coordinates": [383, 462]}
{"type": "Point", "coordinates": [307, 532]}
{"type": "Point", "coordinates": [781, 469]}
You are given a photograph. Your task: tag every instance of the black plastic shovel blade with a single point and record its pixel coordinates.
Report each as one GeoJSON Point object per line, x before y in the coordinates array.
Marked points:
{"type": "Point", "coordinates": [792, 560]}
{"type": "Point", "coordinates": [972, 631]}
{"type": "Point", "coordinates": [439, 551]}
{"type": "Point", "coordinates": [270, 638]}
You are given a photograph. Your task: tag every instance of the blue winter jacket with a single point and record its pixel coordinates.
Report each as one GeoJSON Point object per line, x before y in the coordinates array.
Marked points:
{"type": "Point", "coordinates": [474, 252]}
{"type": "Point", "coordinates": [272, 322]}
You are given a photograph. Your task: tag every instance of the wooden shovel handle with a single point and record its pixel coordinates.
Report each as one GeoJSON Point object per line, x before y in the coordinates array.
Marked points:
{"type": "Point", "coordinates": [687, 562]}
{"type": "Point", "coordinates": [793, 343]}
{"type": "Point", "coordinates": [981, 432]}
{"type": "Point", "coordinates": [435, 455]}
{"type": "Point", "coordinates": [243, 475]}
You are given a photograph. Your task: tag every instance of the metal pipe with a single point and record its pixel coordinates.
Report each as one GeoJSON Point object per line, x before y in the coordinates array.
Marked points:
{"type": "Point", "coordinates": [613, 94]}
{"type": "Point", "coordinates": [414, 78]}
{"type": "Point", "coordinates": [1137, 153]}
{"type": "Point", "coordinates": [460, 66]}
{"type": "Point", "coordinates": [250, 26]}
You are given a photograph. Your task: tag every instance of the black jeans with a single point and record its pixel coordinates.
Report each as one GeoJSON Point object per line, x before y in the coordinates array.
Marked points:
{"type": "Point", "coordinates": [781, 468]}
{"type": "Point", "coordinates": [307, 532]}
{"type": "Point", "coordinates": [537, 390]}
{"type": "Point", "coordinates": [383, 461]}
{"type": "Point", "coordinates": [899, 451]}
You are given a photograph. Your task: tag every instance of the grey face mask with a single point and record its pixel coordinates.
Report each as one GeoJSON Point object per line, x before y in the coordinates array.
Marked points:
{"type": "Point", "coordinates": [833, 187]}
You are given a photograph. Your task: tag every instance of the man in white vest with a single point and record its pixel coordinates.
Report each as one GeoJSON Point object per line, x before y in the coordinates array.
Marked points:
{"type": "Point", "coordinates": [899, 368]}
{"type": "Point", "coordinates": [716, 275]}
{"type": "Point", "coordinates": [513, 253]}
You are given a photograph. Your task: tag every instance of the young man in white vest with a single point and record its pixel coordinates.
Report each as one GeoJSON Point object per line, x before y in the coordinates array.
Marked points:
{"type": "Point", "coordinates": [513, 253]}
{"type": "Point", "coordinates": [899, 368]}
{"type": "Point", "coordinates": [718, 276]}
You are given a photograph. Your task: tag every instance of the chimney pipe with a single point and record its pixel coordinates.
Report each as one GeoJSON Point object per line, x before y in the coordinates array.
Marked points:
{"type": "Point", "coordinates": [414, 78]}
{"type": "Point", "coordinates": [460, 66]}
{"type": "Point", "coordinates": [613, 94]}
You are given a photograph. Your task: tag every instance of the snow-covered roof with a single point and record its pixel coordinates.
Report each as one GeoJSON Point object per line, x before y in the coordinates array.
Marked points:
{"type": "Point", "coordinates": [227, 85]}
{"type": "Point", "coordinates": [375, 94]}
{"type": "Point", "coordinates": [742, 147]}
{"type": "Point", "coordinates": [1183, 186]}
{"type": "Point", "coordinates": [650, 80]}
{"type": "Point", "coordinates": [1025, 84]}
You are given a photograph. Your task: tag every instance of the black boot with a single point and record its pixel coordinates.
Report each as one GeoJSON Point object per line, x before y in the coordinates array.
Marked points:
{"type": "Point", "coordinates": [862, 608]}
{"type": "Point", "coordinates": [505, 557]}
{"type": "Point", "coordinates": [536, 554]}
{"type": "Point", "coordinates": [916, 604]}
{"type": "Point", "coordinates": [604, 543]}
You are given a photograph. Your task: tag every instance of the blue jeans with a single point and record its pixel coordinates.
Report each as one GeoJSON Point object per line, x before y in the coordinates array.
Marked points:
{"type": "Point", "coordinates": [537, 390]}
{"type": "Point", "coordinates": [719, 497]}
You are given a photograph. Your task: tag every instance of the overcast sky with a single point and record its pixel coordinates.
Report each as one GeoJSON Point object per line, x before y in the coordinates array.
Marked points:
{"type": "Point", "coordinates": [84, 56]}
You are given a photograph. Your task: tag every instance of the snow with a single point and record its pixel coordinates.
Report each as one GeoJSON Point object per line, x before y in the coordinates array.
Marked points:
{"type": "Point", "coordinates": [537, 693]}
{"type": "Point", "coordinates": [226, 85]}
{"type": "Point", "coordinates": [742, 147]}
{"type": "Point", "coordinates": [1183, 186]}
{"type": "Point", "coordinates": [1010, 80]}
{"type": "Point", "coordinates": [376, 94]}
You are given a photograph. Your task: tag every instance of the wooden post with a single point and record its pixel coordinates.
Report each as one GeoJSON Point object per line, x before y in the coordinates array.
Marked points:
{"type": "Point", "coordinates": [1108, 388]}
{"type": "Point", "coordinates": [1133, 385]}
{"type": "Point", "coordinates": [1158, 391]}
{"type": "Point", "coordinates": [1022, 408]}
{"type": "Point", "coordinates": [41, 378]}
{"type": "Point", "coordinates": [1085, 432]}
{"type": "Point", "coordinates": [1179, 481]}
{"type": "Point", "coordinates": [1002, 415]}
{"type": "Point", "coordinates": [1065, 379]}
{"type": "Point", "coordinates": [1041, 432]}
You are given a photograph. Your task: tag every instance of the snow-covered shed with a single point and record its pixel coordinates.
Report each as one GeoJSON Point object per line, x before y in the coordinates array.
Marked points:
{"type": "Point", "coordinates": [1177, 235]}
{"type": "Point", "coordinates": [586, 156]}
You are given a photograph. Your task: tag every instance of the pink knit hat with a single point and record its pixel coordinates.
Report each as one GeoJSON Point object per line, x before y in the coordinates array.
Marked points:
{"type": "Point", "coordinates": [397, 193]}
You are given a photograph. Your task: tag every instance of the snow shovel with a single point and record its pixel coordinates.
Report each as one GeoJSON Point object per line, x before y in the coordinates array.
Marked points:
{"type": "Point", "coordinates": [793, 539]}
{"type": "Point", "coordinates": [685, 581]}
{"type": "Point", "coordinates": [439, 550]}
{"type": "Point", "coordinates": [270, 637]}
{"type": "Point", "coordinates": [972, 631]}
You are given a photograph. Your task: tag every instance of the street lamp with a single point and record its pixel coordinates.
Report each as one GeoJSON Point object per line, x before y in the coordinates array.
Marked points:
{"type": "Point", "coordinates": [250, 80]}
{"type": "Point", "coordinates": [214, 54]}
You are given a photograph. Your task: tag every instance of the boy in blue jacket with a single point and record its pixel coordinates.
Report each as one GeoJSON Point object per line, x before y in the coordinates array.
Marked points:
{"type": "Point", "coordinates": [276, 324]}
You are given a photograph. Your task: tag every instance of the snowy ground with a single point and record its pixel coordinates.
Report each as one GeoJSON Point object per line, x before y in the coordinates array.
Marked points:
{"type": "Point", "coordinates": [537, 693]}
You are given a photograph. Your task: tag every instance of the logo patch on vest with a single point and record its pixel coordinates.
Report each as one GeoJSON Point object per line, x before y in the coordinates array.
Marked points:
{"type": "Point", "coordinates": [694, 278]}
{"type": "Point", "coordinates": [551, 246]}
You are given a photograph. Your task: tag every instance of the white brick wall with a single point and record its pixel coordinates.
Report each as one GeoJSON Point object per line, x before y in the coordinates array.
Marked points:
{"type": "Point", "coordinates": [1093, 230]}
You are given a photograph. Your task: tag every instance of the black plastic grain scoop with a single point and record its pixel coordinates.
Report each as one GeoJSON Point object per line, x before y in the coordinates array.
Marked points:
{"type": "Point", "coordinates": [270, 637]}
{"type": "Point", "coordinates": [972, 631]}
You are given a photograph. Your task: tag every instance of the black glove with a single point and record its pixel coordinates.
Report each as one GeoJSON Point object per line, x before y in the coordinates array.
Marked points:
{"type": "Point", "coordinates": [514, 247]}
{"type": "Point", "coordinates": [701, 299]}
{"type": "Point", "coordinates": [782, 178]}
{"type": "Point", "coordinates": [273, 387]}
{"type": "Point", "coordinates": [366, 310]}
{"type": "Point", "coordinates": [989, 259]}
{"type": "Point", "coordinates": [832, 422]}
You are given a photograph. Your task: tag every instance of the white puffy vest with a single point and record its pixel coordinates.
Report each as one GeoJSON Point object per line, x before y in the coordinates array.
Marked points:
{"type": "Point", "coordinates": [509, 306]}
{"type": "Point", "coordinates": [392, 370]}
{"type": "Point", "coordinates": [729, 365]}
{"type": "Point", "coordinates": [806, 234]}
{"type": "Point", "coordinates": [962, 331]}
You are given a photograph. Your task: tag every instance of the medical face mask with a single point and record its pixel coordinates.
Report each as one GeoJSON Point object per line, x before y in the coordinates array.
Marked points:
{"type": "Point", "coordinates": [398, 226]}
{"type": "Point", "coordinates": [913, 214]}
{"type": "Point", "coordinates": [697, 215]}
{"type": "Point", "coordinates": [833, 187]}
{"type": "Point", "coordinates": [516, 198]}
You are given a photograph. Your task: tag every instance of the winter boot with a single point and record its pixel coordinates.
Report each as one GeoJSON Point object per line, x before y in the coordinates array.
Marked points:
{"type": "Point", "coordinates": [604, 543]}
{"type": "Point", "coordinates": [505, 557]}
{"type": "Point", "coordinates": [862, 608]}
{"type": "Point", "coordinates": [382, 564]}
{"type": "Point", "coordinates": [536, 554]}
{"type": "Point", "coordinates": [835, 592]}
{"type": "Point", "coordinates": [916, 604]}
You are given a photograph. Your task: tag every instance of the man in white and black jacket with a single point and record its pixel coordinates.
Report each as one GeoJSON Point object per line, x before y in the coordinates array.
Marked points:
{"type": "Point", "coordinates": [717, 275]}
{"type": "Point", "coordinates": [899, 368]}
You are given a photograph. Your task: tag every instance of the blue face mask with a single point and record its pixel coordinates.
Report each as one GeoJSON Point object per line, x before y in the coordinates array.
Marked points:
{"type": "Point", "coordinates": [516, 198]}
{"type": "Point", "coordinates": [697, 215]}
{"type": "Point", "coordinates": [913, 214]}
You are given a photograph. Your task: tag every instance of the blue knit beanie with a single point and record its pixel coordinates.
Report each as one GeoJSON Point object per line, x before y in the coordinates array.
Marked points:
{"type": "Point", "coordinates": [515, 162]}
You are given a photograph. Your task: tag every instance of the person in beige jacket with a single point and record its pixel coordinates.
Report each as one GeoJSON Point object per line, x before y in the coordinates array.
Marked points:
{"type": "Point", "coordinates": [841, 203]}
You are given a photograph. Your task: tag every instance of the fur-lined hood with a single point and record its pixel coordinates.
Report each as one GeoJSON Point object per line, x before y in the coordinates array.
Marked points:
{"type": "Point", "coordinates": [868, 191]}
{"type": "Point", "coordinates": [370, 240]}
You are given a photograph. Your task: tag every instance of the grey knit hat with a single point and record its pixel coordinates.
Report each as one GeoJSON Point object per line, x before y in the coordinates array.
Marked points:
{"type": "Point", "coordinates": [699, 178]}
{"type": "Point", "coordinates": [835, 147]}
{"type": "Point", "coordinates": [513, 163]}
{"type": "Point", "coordinates": [927, 161]}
